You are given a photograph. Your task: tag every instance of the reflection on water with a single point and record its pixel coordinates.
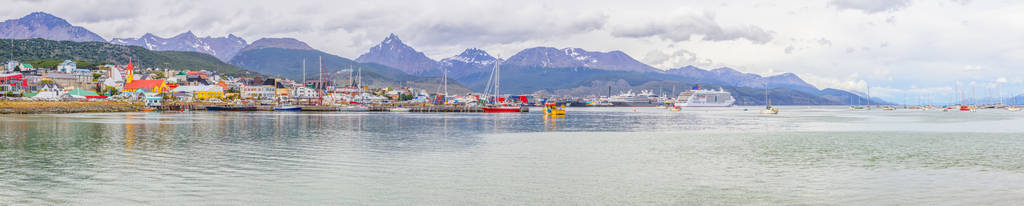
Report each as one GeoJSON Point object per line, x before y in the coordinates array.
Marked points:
{"type": "Point", "coordinates": [591, 156]}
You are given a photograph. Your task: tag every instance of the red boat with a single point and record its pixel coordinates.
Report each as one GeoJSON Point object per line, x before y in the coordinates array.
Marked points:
{"type": "Point", "coordinates": [502, 109]}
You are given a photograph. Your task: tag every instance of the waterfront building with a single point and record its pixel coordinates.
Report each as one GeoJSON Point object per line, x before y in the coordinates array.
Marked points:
{"type": "Point", "coordinates": [203, 93]}
{"type": "Point", "coordinates": [304, 93]}
{"type": "Point", "coordinates": [258, 92]}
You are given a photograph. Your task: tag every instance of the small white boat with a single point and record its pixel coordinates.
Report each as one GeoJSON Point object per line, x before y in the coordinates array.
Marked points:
{"type": "Point", "coordinates": [400, 109]}
{"type": "Point", "coordinates": [769, 110]}
{"type": "Point", "coordinates": [1013, 109]}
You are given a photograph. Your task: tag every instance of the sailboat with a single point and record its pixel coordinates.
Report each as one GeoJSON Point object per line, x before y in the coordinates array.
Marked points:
{"type": "Point", "coordinates": [500, 105]}
{"type": "Point", "coordinates": [768, 109]}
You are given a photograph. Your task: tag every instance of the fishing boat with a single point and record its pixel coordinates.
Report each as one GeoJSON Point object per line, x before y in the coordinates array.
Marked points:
{"type": "Point", "coordinates": [768, 109]}
{"type": "Point", "coordinates": [292, 108]}
{"type": "Point", "coordinates": [400, 109]}
{"type": "Point", "coordinates": [147, 109]}
{"type": "Point", "coordinates": [498, 104]}
{"type": "Point", "coordinates": [553, 110]}
{"type": "Point", "coordinates": [231, 108]}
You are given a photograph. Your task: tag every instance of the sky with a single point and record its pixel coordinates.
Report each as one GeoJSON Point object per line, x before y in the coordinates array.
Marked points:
{"type": "Point", "coordinates": [929, 50]}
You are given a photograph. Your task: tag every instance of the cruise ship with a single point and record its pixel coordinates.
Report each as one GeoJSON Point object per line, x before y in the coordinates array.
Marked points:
{"type": "Point", "coordinates": [629, 99]}
{"type": "Point", "coordinates": [698, 97]}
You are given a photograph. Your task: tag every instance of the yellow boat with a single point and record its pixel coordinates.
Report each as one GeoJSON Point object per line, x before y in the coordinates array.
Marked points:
{"type": "Point", "coordinates": [147, 109]}
{"type": "Point", "coordinates": [554, 111]}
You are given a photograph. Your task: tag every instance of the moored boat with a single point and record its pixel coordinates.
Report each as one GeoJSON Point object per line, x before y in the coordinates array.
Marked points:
{"type": "Point", "coordinates": [698, 97]}
{"type": "Point", "coordinates": [503, 109]}
{"type": "Point", "coordinates": [288, 108]}
{"type": "Point", "coordinates": [553, 110]}
{"type": "Point", "coordinates": [400, 109]}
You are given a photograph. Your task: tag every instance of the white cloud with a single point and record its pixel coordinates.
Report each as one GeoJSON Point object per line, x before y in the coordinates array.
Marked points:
{"type": "Point", "coordinates": [870, 6]}
{"type": "Point", "coordinates": [972, 68]}
{"type": "Point", "coordinates": [678, 58]}
{"type": "Point", "coordinates": [690, 27]}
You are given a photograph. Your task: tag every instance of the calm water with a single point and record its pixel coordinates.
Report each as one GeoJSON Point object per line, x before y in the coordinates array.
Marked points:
{"type": "Point", "coordinates": [816, 156]}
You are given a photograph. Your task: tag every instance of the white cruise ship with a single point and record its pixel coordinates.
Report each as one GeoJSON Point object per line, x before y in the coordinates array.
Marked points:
{"type": "Point", "coordinates": [698, 97]}
{"type": "Point", "coordinates": [629, 99]}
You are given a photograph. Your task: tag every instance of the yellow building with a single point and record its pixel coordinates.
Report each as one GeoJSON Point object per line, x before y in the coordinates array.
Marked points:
{"type": "Point", "coordinates": [202, 92]}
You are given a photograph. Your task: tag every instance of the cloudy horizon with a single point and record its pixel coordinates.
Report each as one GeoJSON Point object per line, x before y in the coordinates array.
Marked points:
{"type": "Point", "coordinates": [898, 47]}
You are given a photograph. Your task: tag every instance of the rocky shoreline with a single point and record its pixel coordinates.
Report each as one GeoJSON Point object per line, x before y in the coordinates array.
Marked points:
{"type": "Point", "coordinates": [45, 107]}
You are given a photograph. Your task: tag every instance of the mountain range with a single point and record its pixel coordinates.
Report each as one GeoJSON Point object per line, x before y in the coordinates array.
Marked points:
{"type": "Point", "coordinates": [45, 26]}
{"type": "Point", "coordinates": [548, 57]}
{"type": "Point", "coordinates": [285, 57]}
{"type": "Point", "coordinates": [222, 47]}
{"type": "Point", "coordinates": [731, 77]}
{"type": "Point", "coordinates": [536, 70]}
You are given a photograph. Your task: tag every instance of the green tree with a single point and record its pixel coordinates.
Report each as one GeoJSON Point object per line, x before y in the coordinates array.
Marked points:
{"type": "Point", "coordinates": [160, 75]}
{"type": "Point", "coordinates": [96, 76]}
{"type": "Point", "coordinates": [112, 91]}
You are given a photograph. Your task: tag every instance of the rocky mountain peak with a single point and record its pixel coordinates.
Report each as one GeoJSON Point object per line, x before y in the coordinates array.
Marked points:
{"type": "Point", "coordinates": [394, 53]}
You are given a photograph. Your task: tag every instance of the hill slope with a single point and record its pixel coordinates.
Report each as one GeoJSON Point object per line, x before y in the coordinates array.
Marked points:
{"type": "Point", "coordinates": [40, 49]}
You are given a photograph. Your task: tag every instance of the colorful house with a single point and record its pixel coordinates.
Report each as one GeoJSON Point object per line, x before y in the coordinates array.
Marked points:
{"type": "Point", "coordinates": [85, 94]}
{"type": "Point", "coordinates": [202, 92]}
{"type": "Point", "coordinates": [149, 86]}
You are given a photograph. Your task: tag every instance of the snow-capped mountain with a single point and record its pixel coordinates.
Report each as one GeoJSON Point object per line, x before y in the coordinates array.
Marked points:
{"type": "Point", "coordinates": [45, 26]}
{"type": "Point", "coordinates": [549, 57]}
{"type": "Point", "coordinates": [470, 61]}
{"type": "Point", "coordinates": [395, 54]}
{"type": "Point", "coordinates": [222, 47]}
{"type": "Point", "coordinates": [731, 77]}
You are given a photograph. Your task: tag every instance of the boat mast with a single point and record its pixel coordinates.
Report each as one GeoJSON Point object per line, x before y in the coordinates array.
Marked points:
{"type": "Point", "coordinates": [303, 71]}
{"type": "Point", "coordinates": [321, 73]}
{"type": "Point", "coordinates": [497, 80]}
{"type": "Point", "coordinates": [445, 77]}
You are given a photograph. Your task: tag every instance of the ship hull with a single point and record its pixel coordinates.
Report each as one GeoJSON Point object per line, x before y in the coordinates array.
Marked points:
{"type": "Point", "coordinates": [502, 109]}
{"type": "Point", "coordinates": [634, 104]}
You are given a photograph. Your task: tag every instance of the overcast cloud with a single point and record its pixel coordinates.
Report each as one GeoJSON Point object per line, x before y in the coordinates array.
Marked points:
{"type": "Point", "coordinates": [897, 47]}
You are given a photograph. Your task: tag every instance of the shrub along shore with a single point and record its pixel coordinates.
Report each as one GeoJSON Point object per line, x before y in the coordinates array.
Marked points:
{"type": "Point", "coordinates": [45, 107]}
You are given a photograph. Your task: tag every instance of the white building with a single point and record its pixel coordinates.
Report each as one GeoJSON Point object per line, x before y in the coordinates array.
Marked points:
{"type": "Point", "coordinates": [258, 92]}
{"type": "Point", "coordinates": [11, 65]}
{"type": "Point", "coordinates": [304, 93]}
{"type": "Point", "coordinates": [67, 66]}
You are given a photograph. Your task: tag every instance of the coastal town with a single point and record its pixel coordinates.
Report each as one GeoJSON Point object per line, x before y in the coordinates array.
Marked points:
{"type": "Point", "coordinates": [168, 89]}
